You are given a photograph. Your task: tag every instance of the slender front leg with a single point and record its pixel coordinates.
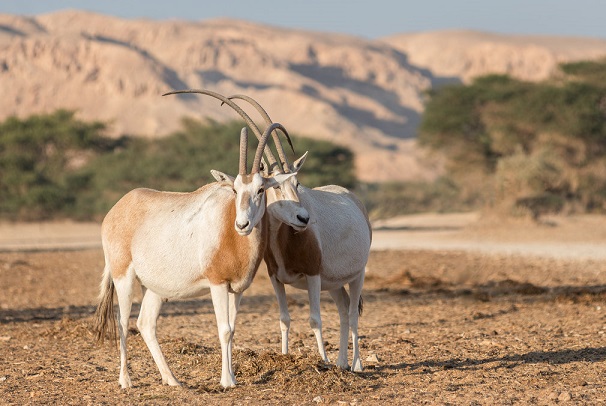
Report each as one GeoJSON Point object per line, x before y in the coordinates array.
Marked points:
{"type": "Point", "coordinates": [341, 298]}
{"type": "Point", "coordinates": [284, 315]}
{"type": "Point", "coordinates": [220, 298]}
{"type": "Point", "coordinates": [148, 317]}
{"type": "Point", "coordinates": [234, 305]}
{"type": "Point", "coordinates": [314, 285]}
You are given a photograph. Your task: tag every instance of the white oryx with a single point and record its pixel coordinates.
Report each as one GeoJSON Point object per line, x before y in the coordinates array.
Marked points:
{"type": "Point", "coordinates": [181, 245]}
{"type": "Point", "coordinates": [330, 253]}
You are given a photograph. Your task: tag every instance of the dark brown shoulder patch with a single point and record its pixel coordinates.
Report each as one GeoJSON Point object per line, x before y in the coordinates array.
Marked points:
{"type": "Point", "coordinates": [300, 251]}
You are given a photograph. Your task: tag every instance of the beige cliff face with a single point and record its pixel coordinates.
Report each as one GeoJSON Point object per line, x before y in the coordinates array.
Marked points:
{"type": "Point", "coordinates": [467, 54]}
{"type": "Point", "coordinates": [367, 95]}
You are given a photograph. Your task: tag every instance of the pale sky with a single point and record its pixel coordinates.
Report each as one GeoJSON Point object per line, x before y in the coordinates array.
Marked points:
{"type": "Point", "coordinates": [370, 19]}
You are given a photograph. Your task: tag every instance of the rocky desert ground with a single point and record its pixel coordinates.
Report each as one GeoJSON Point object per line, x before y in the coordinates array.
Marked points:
{"type": "Point", "coordinates": [458, 310]}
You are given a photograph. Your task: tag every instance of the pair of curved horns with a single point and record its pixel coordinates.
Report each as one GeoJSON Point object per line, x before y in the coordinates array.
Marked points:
{"type": "Point", "coordinates": [270, 157]}
{"type": "Point", "coordinates": [259, 153]}
{"type": "Point", "coordinates": [268, 121]}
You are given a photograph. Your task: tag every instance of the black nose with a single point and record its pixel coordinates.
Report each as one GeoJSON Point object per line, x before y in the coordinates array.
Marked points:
{"type": "Point", "coordinates": [302, 219]}
{"type": "Point", "coordinates": [242, 226]}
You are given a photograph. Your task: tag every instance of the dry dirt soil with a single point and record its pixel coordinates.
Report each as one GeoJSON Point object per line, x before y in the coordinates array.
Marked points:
{"type": "Point", "coordinates": [439, 327]}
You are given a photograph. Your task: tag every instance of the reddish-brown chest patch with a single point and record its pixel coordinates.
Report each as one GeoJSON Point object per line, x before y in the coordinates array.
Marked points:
{"type": "Point", "coordinates": [231, 260]}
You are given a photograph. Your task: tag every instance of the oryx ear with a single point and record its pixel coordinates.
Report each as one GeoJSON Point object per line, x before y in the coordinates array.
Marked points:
{"type": "Point", "coordinates": [222, 177]}
{"type": "Point", "coordinates": [277, 179]}
{"type": "Point", "coordinates": [299, 162]}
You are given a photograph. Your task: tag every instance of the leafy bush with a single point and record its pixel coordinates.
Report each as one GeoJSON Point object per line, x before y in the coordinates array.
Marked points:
{"type": "Point", "coordinates": [525, 147]}
{"type": "Point", "coordinates": [39, 158]}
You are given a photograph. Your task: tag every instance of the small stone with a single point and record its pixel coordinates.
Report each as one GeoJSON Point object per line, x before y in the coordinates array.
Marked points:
{"type": "Point", "coordinates": [552, 396]}
{"type": "Point", "coordinates": [407, 331]}
{"type": "Point", "coordinates": [564, 397]}
{"type": "Point", "coordinates": [318, 399]}
{"type": "Point", "coordinates": [3, 378]}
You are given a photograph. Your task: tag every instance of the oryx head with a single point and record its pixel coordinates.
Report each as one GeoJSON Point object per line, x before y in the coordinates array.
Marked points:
{"type": "Point", "coordinates": [283, 201]}
{"type": "Point", "coordinates": [289, 209]}
{"type": "Point", "coordinates": [250, 188]}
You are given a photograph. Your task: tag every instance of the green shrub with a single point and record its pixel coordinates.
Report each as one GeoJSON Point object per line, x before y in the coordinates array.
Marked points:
{"type": "Point", "coordinates": [521, 144]}
{"type": "Point", "coordinates": [37, 159]}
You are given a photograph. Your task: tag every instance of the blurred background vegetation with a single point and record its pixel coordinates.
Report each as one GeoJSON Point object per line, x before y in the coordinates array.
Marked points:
{"type": "Point", "coordinates": [524, 148]}
{"type": "Point", "coordinates": [55, 166]}
{"type": "Point", "coordinates": [511, 147]}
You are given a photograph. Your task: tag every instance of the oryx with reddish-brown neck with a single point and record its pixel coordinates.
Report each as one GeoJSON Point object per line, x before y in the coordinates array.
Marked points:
{"type": "Point", "coordinates": [181, 245]}
{"type": "Point", "coordinates": [331, 252]}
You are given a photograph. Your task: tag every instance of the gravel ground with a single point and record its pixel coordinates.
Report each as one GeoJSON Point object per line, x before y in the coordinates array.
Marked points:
{"type": "Point", "coordinates": [440, 326]}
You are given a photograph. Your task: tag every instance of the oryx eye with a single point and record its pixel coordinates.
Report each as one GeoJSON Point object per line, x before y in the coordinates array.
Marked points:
{"type": "Point", "coordinates": [234, 190]}
{"type": "Point", "coordinates": [260, 191]}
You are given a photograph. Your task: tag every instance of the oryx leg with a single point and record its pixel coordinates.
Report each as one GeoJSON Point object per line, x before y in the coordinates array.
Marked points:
{"type": "Point", "coordinates": [234, 305]}
{"type": "Point", "coordinates": [355, 293]}
{"type": "Point", "coordinates": [220, 298]}
{"type": "Point", "coordinates": [124, 291]}
{"type": "Point", "coordinates": [314, 285]}
{"type": "Point", "coordinates": [284, 315]}
{"type": "Point", "coordinates": [146, 323]}
{"type": "Point", "coordinates": [341, 299]}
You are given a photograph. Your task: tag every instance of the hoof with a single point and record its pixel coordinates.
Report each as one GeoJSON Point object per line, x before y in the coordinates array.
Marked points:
{"type": "Point", "coordinates": [228, 383]}
{"type": "Point", "coordinates": [171, 382]}
{"type": "Point", "coordinates": [344, 366]}
{"type": "Point", "coordinates": [358, 367]}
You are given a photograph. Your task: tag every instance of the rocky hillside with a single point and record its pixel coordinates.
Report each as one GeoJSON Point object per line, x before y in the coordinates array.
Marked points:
{"type": "Point", "coordinates": [462, 55]}
{"type": "Point", "coordinates": [367, 95]}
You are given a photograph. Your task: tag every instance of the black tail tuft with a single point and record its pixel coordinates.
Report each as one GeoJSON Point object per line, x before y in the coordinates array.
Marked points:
{"type": "Point", "coordinates": [361, 306]}
{"type": "Point", "coordinates": [104, 318]}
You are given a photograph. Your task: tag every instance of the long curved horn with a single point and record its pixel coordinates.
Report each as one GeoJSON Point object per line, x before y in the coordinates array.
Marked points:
{"type": "Point", "coordinates": [263, 142]}
{"type": "Point", "coordinates": [268, 121]}
{"type": "Point", "coordinates": [251, 124]}
{"type": "Point", "coordinates": [243, 150]}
